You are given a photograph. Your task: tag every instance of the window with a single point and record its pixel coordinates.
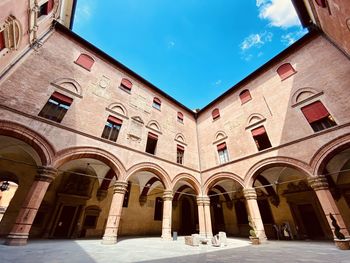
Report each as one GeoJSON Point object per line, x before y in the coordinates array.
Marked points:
{"type": "Point", "coordinates": [112, 128]}
{"type": "Point", "coordinates": [127, 196]}
{"type": "Point", "coordinates": [85, 61]}
{"type": "Point", "coordinates": [151, 143]}
{"type": "Point", "coordinates": [126, 85]}
{"type": "Point", "coordinates": [245, 96]}
{"type": "Point", "coordinates": [261, 139]}
{"type": "Point", "coordinates": [215, 114]}
{"type": "Point", "coordinates": [180, 150]}
{"type": "Point", "coordinates": [285, 71]}
{"type": "Point", "coordinates": [241, 212]}
{"type": "Point", "coordinates": [158, 209]}
{"type": "Point", "coordinates": [56, 107]}
{"type": "Point", "coordinates": [180, 117]}
{"type": "Point", "coordinates": [223, 153]}
{"type": "Point", "coordinates": [156, 103]}
{"type": "Point", "coordinates": [321, 3]}
{"type": "Point", "coordinates": [2, 40]}
{"type": "Point", "coordinates": [10, 34]}
{"type": "Point", "coordinates": [318, 116]}
{"type": "Point", "coordinates": [45, 8]}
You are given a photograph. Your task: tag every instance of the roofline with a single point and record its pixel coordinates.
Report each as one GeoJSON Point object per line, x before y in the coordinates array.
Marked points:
{"type": "Point", "coordinates": [276, 59]}
{"type": "Point", "coordinates": [115, 62]}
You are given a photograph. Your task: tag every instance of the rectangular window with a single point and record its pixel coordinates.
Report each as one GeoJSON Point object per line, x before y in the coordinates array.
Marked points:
{"type": "Point", "coordinates": [151, 143]}
{"type": "Point", "coordinates": [127, 196]}
{"type": "Point", "coordinates": [318, 116]}
{"type": "Point", "coordinates": [45, 8]}
{"type": "Point", "coordinates": [56, 107]}
{"type": "Point", "coordinates": [223, 153]}
{"type": "Point", "coordinates": [156, 105]}
{"type": "Point", "coordinates": [261, 139]}
{"type": "Point", "coordinates": [112, 128]}
{"type": "Point", "coordinates": [158, 209]}
{"type": "Point", "coordinates": [180, 154]}
{"type": "Point", "coordinates": [241, 212]}
{"type": "Point", "coordinates": [2, 40]}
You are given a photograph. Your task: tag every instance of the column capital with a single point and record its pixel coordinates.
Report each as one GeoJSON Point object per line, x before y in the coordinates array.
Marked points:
{"type": "Point", "coordinates": [250, 193]}
{"type": "Point", "coordinates": [168, 195]}
{"type": "Point", "coordinates": [203, 200]}
{"type": "Point", "coordinates": [45, 174]}
{"type": "Point", "coordinates": [120, 187]}
{"type": "Point", "coordinates": [318, 182]}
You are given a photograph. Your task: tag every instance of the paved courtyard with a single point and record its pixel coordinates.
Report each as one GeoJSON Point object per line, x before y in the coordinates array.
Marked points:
{"type": "Point", "coordinates": [156, 250]}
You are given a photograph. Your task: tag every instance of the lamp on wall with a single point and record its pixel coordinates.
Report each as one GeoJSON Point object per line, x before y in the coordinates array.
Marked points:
{"type": "Point", "coordinates": [4, 186]}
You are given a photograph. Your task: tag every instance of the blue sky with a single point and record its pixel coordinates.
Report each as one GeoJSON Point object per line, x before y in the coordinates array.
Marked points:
{"type": "Point", "coordinates": [194, 50]}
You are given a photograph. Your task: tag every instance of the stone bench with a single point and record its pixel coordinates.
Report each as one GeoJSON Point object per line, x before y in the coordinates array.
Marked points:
{"type": "Point", "coordinates": [192, 240]}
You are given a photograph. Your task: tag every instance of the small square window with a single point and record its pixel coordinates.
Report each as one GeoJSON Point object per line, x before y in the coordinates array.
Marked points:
{"type": "Point", "coordinates": [2, 40]}
{"type": "Point", "coordinates": [151, 143]}
{"type": "Point", "coordinates": [56, 107]}
{"type": "Point", "coordinates": [112, 128]}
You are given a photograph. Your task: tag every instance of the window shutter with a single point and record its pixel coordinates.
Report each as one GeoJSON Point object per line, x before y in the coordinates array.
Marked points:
{"type": "Point", "coordinates": [114, 120]}
{"type": "Point", "coordinates": [258, 131]}
{"type": "Point", "coordinates": [85, 61]}
{"type": "Point", "coordinates": [156, 100]}
{"type": "Point", "coordinates": [180, 147]}
{"type": "Point", "coordinates": [315, 111]}
{"type": "Point", "coordinates": [180, 116]}
{"type": "Point", "coordinates": [153, 136]}
{"type": "Point", "coordinates": [2, 40]}
{"type": "Point", "coordinates": [50, 5]}
{"type": "Point", "coordinates": [321, 3]}
{"type": "Point", "coordinates": [62, 98]}
{"type": "Point", "coordinates": [215, 113]}
{"type": "Point", "coordinates": [126, 84]}
{"type": "Point", "coordinates": [285, 70]}
{"type": "Point", "coordinates": [245, 96]}
{"type": "Point", "coordinates": [221, 146]}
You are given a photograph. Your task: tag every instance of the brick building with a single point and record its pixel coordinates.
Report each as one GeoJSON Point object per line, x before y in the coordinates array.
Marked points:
{"type": "Point", "coordinates": [91, 149]}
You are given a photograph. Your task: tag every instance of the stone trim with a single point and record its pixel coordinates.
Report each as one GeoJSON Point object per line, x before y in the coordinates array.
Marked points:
{"type": "Point", "coordinates": [120, 187]}
{"type": "Point", "coordinates": [250, 194]}
{"type": "Point", "coordinates": [318, 182]}
{"type": "Point", "coordinates": [203, 200]}
{"type": "Point", "coordinates": [46, 174]}
{"type": "Point", "coordinates": [168, 195]}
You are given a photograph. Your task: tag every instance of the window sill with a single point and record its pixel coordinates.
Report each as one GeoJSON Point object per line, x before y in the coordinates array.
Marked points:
{"type": "Point", "coordinates": [125, 90]}
{"type": "Point", "coordinates": [88, 69]}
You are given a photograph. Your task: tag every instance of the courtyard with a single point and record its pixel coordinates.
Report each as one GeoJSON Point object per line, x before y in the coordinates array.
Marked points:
{"type": "Point", "coordinates": [154, 249]}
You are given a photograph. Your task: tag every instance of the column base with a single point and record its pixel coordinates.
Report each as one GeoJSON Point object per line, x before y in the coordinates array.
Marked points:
{"type": "Point", "coordinates": [16, 239]}
{"type": "Point", "coordinates": [109, 240]}
{"type": "Point", "coordinates": [167, 237]}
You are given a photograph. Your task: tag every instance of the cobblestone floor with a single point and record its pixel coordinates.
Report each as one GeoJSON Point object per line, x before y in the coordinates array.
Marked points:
{"type": "Point", "coordinates": [156, 250]}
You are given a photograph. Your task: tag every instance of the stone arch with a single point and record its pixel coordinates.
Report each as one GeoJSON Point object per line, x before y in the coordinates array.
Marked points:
{"type": "Point", "coordinates": [272, 162]}
{"type": "Point", "coordinates": [118, 108]}
{"type": "Point", "coordinates": [154, 125]}
{"type": "Point", "coordinates": [150, 167]}
{"type": "Point", "coordinates": [254, 118]}
{"type": "Point", "coordinates": [326, 152]}
{"type": "Point", "coordinates": [189, 179]}
{"type": "Point", "coordinates": [43, 148]}
{"type": "Point", "coordinates": [180, 138]}
{"type": "Point", "coordinates": [303, 94]}
{"type": "Point", "coordinates": [68, 84]}
{"type": "Point", "coordinates": [212, 180]}
{"type": "Point", "coordinates": [74, 153]}
{"type": "Point", "coordinates": [220, 135]}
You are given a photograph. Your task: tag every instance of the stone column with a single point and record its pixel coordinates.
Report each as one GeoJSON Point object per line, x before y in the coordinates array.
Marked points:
{"type": "Point", "coordinates": [320, 185]}
{"type": "Point", "coordinates": [254, 212]}
{"type": "Point", "coordinates": [204, 218]}
{"type": "Point", "coordinates": [20, 231]}
{"type": "Point", "coordinates": [167, 214]}
{"type": "Point", "coordinates": [111, 231]}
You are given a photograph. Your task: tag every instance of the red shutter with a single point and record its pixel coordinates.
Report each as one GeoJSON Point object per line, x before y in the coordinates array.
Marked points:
{"type": "Point", "coordinates": [156, 100]}
{"type": "Point", "coordinates": [215, 113]}
{"type": "Point", "coordinates": [222, 146]}
{"type": "Point", "coordinates": [321, 3]}
{"type": "Point", "coordinates": [180, 147]}
{"type": "Point", "coordinates": [126, 84]}
{"type": "Point", "coordinates": [85, 61]}
{"type": "Point", "coordinates": [285, 70]}
{"type": "Point", "coordinates": [245, 96]}
{"type": "Point", "coordinates": [114, 120]}
{"type": "Point", "coordinates": [315, 111]}
{"type": "Point", "coordinates": [62, 98]}
{"type": "Point", "coordinates": [258, 131]}
{"type": "Point", "coordinates": [153, 136]}
{"type": "Point", "coordinates": [49, 6]}
{"type": "Point", "coordinates": [2, 40]}
{"type": "Point", "coordinates": [180, 116]}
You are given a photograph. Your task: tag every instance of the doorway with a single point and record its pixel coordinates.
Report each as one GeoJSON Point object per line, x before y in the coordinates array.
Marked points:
{"type": "Point", "coordinates": [64, 224]}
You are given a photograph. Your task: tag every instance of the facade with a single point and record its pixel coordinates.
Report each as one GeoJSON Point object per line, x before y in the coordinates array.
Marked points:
{"type": "Point", "coordinates": [98, 151]}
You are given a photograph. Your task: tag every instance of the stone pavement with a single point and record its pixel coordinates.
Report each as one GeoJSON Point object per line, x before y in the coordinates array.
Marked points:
{"type": "Point", "coordinates": [152, 249]}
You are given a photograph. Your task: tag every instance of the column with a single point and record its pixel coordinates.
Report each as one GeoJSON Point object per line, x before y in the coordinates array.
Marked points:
{"type": "Point", "coordinates": [111, 231]}
{"type": "Point", "coordinates": [204, 217]}
{"type": "Point", "coordinates": [20, 231]}
{"type": "Point", "coordinates": [167, 214]}
{"type": "Point", "coordinates": [254, 212]}
{"type": "Point", "coordinates": [320, 185]}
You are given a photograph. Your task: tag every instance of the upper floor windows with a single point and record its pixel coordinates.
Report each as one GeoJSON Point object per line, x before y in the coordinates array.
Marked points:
{"type": "Point", "coordinates": [321, 3]}
{"type": "Point", "coordinates": [180, 117]}
{"type": "Point", "coordinates": [56, 107]}
{"type": "Point", "coordinates": [112, 128]}
{"type": "Point", "coordinates": [318, 116]}
{"type": "Point", "coordinates": [46, 8]}
{"type": "Point", "coordinates": [2, 40]}
{"type": "Point", "coordinates": [151, 145]}
{"type": "Point", "coordinates": [245, 96]}
{"type": "Point", "coordinates": [180, 152]}
{"type": "Point", "coordinates": [223, 153]}
{"type": "Point", "coordinates": [126, 85]}
{"type": "Point", "coordinates": [85, 61]}
{"type": "Point", "coordinates": [285, 71]}
{"type": "Point", "coordinates": [10, 34]}
{"type": "Point", "coordinates": [261, 139]}
{"type": "Point", "coordinates": [215, 114]}
{"type": "Point", "coordinates": [156, 103]}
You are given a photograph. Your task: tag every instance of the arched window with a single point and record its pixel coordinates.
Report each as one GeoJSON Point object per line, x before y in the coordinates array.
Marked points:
{"type": "Point", "coordinates": [180, 117]}
{"type": "Point", "coordinates": [56, 107]}
{"type": "Point", "coordinates": [112, 128]}
{"type": "Point", "coordinates": [321, 3]}
{"type": "Point", "coordinates": [126, 85]}
{"type": "Point", "coordinates": [215, 114]}
{"type": "Point", "coordinates": [261, 139]}
{"type": "Point", "coordinates": [318, 116]}
{"type": "Point", "coordinates": [85, 61]}
{"type": "Point", "coordinates": [245, 96]}
{"type": "Point", "coordinates": [156, 103]}
{"type": "Point", "coordinates": [285, 71]}
{"type": "Point", "coordinates": [223, 153]}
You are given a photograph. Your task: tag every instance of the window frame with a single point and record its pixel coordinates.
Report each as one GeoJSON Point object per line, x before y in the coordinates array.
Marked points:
{"type": "Point", "coordinates": [81, 64]}
{"type": "Point", "coordinates": [157, 103]}
{"type": "Point", "coordinates": [151, 137]}
{"type": "Point", "coordinates": [245, 96]}
{"type": "Point", "coordinates": [112, 128]}
{"type": "Point", "coordinates": [126, 85]}
{"type": "Point", "coordinates": [284, 76]}
{"type": "Point", "coordinates": [260, 136]}
{"type": "Point", "coordinates": [180, 117]}
{"type": "Point", "coordinates": [223, 154]}
{"type": "Point", "coordinates": [215, 114]}
{"type": "Point", "coordinates": [180, 154]}
{"type": "Point", "coordinates": [56, 107]}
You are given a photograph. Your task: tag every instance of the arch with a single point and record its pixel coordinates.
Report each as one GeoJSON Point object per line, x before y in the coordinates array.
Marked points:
{"type": "Point", "coordinates": [68, 84]}
{"type": "Point", "coordinates": [212, 180]}
{"type": "Point", "coordinates": [150, 167]}
{"type": "Point", "coordinates": [154, 125]}
{"type": "Point", "coordinates": [285, 71]}
{"type": "Point", "coordinates": [43, 148]}
{"type": "Point", "coordinates": [118, 108]}
{"type": "Point", "coordinates": [264, 164]}
{"type": "Point", "coordinates": [108, 179]}
{"type": "Point", "coordinates": [328, 151]}
{"type": "Point", "coordinates": [75, 153]}
{"type": "Point", "coordinates": [303, 94]}
{"type": "Point", "coordinates": [189, 179]}
{"type": "Point", "coordinates": [255, 118]}
{"type": "Point", "coordinates": [180, 138]}
{"type": "Point", "coordinates": [220, 135]}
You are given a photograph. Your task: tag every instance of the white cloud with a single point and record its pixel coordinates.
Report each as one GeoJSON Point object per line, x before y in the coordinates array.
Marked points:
{"type": "Point", "coordinates": [171, 44]}
{"type": "Point", "coordinates": [256, 40]}
{"type": "Point", "coordinates": [84, 11]}
{"type": "Point", "coordinates": [218, 82]}
{"type": "Point", "coordinates": [279, 13]}
{"type": "Point", "coordinates": [290, 38]}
